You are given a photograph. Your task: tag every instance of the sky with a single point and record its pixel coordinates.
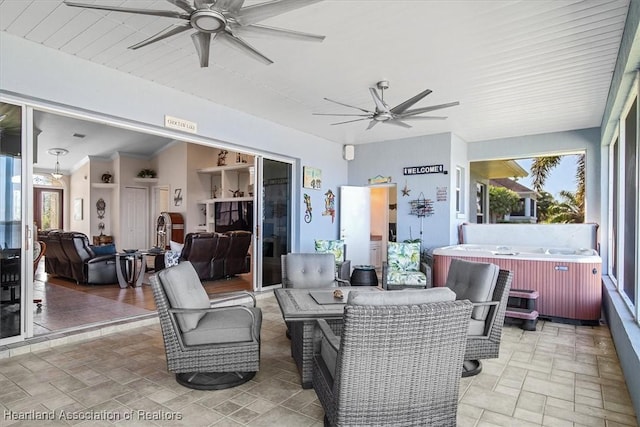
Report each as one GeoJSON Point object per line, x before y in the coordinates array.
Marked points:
{"type": "Point", "coordinates": [562, 177]}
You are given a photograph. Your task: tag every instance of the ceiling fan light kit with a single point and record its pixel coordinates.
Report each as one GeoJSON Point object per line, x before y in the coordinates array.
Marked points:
{"type": "Point", "coordinates": [222, 20]}
{"type": "Point", "coordinates": [382, 113]}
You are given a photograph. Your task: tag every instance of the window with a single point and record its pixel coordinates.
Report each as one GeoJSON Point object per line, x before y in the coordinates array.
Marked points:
{"type": "Point", "coordinates": [630, 213]}
{"type": "Point", "coordinates": [624, 206]}
{"type": "Point", "coordinates": [481, 202]}
{"type": "Point", "coordinates": [459, 190]}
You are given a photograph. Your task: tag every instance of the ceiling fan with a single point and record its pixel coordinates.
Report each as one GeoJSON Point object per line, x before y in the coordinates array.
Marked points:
{"type": "Point", "coordinates": [222, 20]}
{"type": "Point", "coordinates": [397, 115]}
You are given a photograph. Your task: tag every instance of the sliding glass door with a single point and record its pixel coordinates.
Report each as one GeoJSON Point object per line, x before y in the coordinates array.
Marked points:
{"type": "Point", "coordinates": [12, 262]}
{"type": "Point", "coordinates": [276, 218]}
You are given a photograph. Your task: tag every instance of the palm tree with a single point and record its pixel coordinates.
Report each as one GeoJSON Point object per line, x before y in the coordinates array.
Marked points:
{"type": "Point", "coordinates": [569, 210]}
{"type": "Point", "coordinates": [540, 169]}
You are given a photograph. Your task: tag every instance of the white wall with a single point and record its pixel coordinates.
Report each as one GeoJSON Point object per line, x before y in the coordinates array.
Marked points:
{"type": "Point", "coordinates": [388, 158]}
{"type": "Point", "coordinates": [30, 70]}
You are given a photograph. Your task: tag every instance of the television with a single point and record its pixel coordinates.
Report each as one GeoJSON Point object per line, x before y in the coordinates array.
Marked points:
{"type": "Point", "coordinates": [232, 216]}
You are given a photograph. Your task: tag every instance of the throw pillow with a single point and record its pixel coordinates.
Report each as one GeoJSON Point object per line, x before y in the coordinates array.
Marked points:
{"type": "Point", "coordinates": [109, 249]}
{"type": "Point", "coordinates": [184, 290]}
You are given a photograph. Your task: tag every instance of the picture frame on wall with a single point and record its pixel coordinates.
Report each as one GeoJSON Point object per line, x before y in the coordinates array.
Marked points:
{"type": "Point", "coordinates": [77, 209]}
{"type": "Point", "coordinates": [311, 177]}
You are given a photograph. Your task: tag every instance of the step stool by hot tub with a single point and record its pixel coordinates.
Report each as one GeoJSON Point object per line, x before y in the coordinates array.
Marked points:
{"type": "Point", "coordinates": [521, 309]}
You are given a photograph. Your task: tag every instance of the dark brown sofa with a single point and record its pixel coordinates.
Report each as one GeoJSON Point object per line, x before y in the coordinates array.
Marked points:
{"type": "Point", "coordinates": [70, 255]}
{"type": "Point", "coordinates": [215, 255]}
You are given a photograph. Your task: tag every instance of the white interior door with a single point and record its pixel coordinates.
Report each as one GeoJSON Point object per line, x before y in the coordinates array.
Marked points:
{"type": "Point", "coordinates": [355, 223]}
{"type": "Point", "coordinates": [134, 226]}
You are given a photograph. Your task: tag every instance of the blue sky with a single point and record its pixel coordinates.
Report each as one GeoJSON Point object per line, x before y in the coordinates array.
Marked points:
{"type": "Point", "coordinates": [562, 177]}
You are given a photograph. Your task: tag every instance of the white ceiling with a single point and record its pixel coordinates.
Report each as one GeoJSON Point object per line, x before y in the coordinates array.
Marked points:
{"type": "Point", "coordinates": [516, 67]}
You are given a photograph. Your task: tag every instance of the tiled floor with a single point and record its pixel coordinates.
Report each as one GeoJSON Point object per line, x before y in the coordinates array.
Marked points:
{"type": "Point", "coordinates": [560, 375]}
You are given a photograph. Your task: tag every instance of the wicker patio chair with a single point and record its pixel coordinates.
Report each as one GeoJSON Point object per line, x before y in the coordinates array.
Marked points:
{"type": "Point", "coordinates": [397, 361]}
{"type": "Point", "coordinates": [209, 344]}
{"type": "Point", "coordinates": [487, 287]}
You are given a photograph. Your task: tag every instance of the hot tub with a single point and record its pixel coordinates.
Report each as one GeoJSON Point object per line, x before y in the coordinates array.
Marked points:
{"type": "Point", "coordinates": [567, 279]}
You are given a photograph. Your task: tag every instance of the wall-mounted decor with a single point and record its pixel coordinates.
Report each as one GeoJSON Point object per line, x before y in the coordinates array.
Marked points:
{"type": "Point", "coordinates": [379, 179]}
{"type": "Point", "coordinates": [77, 209]}
{"type": "Point", "coordinates": [101, 206]}
{"type": "Point", "coordinates": [177, 197]}
{"type": "Point", "coordinates": [421, 207]}
{"type": "Point", "coordinates": [311, 177]}
{"type": "Point", "coordinates": [330, 205]}
{"type": "Point", "coordinates": [405, 190]}
{"type": "Point", "coordinates": [423, 170]}
{"type": "Point", "coordinates": [222, 157]}
{"type": "Point", "coordinates": [307, 212]}
{"type": "Point", "coordinates": [441, 194]}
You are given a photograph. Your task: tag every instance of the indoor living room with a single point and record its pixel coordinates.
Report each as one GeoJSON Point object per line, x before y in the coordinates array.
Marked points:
{"type": "Point", "coordinates": [62, 304]}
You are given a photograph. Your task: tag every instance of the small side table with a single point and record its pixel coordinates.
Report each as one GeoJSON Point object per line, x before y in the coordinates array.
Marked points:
{"type": "Point", "coordinates": [134, 265]}
{"type": "Point", "coordinates": [364, 275]}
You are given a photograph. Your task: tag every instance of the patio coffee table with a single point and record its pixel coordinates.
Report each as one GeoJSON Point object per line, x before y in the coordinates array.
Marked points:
{"type": "Point", "coordinates": [300, 308]}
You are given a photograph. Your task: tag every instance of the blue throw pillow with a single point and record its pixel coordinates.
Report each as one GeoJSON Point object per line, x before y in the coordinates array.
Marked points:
{"type": "Point", "coordinates": [109, 249]}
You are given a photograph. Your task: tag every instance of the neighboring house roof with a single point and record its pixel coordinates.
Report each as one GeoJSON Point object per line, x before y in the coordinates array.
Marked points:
{"type": "Point", "coordinates": [514, 186]}
{"type": "Point", "coordinates": [492, 169]}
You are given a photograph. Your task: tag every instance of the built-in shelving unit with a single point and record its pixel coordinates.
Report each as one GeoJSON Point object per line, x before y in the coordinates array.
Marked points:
{"type": "Point", "coordinates": [145, 180]}
{"type": "Point", "coordinates": [107, 185]}
{"type": "Point", "coordinates": [225, 182]}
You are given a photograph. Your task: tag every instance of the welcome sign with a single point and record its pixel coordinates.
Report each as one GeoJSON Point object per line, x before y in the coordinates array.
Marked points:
{"type": "Point", "coordinates": [423, 170]}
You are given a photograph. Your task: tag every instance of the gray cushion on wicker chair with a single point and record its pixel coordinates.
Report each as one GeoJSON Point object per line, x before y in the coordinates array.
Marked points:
{"type": "Point", "coordinates": [309, 270]}
{"type": "Point", "coordinates": [184, 290]}
{"type": "Point", "coordinates": [222, 348]}
{"type": "Point", "coordinates": [415, 350]}
{"type": "Point", "coordinates": [484, 333]}
{"type": "Point", "coordinates": [403, 297]}
{"type": "Point", "coordinates": [474, 281]}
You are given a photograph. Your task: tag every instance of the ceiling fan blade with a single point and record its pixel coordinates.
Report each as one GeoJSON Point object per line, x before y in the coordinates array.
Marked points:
{"type": "Point", "coordinates": [200, 4]}
{"type": "Point", "coordinates": [244, 47]}
{"type": "Point", "coordinates": [259, 30]}
{"type": "Point", "coordinates": [259, 12]}
{"type": "Point", "coordinates": [169, 13]}
{"type": "Point", "coordinates": [348, 121]}
{"type": "Point", "coordinates": [167, 32]}
{"type": "Point", "coordinates": [203, 43]}
{"type": "Point", "coordinates": [182, 4]}
{"type": "Point", "coordinates": [400, 108]}
{"type": "Point", "coordinates": [372, 123]}
{"type": "Point", "coordinates": [422, 118]}
{"type": "Point", "coordinates": [341, 115]}
{"type": "Point", "coordinates": [380, 105]}
{"type": "Point", "coordinates": [427, 109]}
{"type": "Point", "coordinates": [350, 106]}
{"type": "Point", "coordinates": [232, 6]}
{"type": "Point", "coordinates": [397, 122]}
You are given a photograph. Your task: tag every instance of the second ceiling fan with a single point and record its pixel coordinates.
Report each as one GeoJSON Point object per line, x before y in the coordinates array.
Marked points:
{"type": "Point", "coordinates": [222, 20]}
{"type": "Point", "coordinates": [382, 113]}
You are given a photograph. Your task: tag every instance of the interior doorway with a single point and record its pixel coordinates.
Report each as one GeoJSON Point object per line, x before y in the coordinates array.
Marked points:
{"type": "Point", "coordinates": [384, 225]}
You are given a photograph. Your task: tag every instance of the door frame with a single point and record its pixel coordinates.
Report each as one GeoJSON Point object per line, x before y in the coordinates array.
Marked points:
{"type": "Point", "coordinates": [258, 206]}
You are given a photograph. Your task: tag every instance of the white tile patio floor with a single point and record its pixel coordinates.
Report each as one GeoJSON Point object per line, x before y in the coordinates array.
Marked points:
{"type": "Point", "coordinates": [559, 375]}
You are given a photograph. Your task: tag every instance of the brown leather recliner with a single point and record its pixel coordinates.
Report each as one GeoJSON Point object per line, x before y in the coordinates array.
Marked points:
{"type": "Point", "coordinates": [86, 267]}
{"type": "Point", "coordinates": [237, 260]}
{"type": "Point", "coordinates": [56, 261]}
{"type": "Point", "coordinates": [199, 249]}
{"type": "Point", "coordinates": [217, 261]}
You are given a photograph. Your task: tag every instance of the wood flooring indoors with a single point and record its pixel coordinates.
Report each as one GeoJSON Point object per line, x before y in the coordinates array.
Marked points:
{"type": "Point", "coordinates": [68, 305]}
